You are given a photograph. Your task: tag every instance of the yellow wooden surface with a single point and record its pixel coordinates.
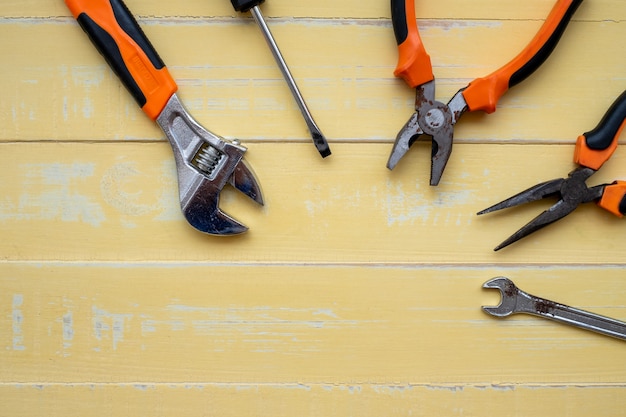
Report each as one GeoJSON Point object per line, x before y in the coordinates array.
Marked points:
{"type": "Point", "coordinates": [357, 290]}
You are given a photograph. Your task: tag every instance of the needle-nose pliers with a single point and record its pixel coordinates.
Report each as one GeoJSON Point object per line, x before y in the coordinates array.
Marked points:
{"type": "Point", "coordinates": [593, 149]}
{"type": "Point", "coordinates": [436, 119]}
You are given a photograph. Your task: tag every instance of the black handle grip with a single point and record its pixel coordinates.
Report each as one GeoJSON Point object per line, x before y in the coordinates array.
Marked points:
{"type": "Point", "coordinates": [622, 205]}
{"type": "Point", "coordinates": [119, 39]}
{"type": "Point", "coordinates": [544, 52]}
{"type": "Point", "coordinates": [399, 20]}
{"type": "Point", "coordinates": [108, 49]}
{"type": "Point", "coordinates": [603, 135]}
{"type": "Point", "coordinates": [245, 5]}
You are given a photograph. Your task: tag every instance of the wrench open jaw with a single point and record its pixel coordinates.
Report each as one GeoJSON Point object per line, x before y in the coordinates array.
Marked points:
{"type": "Point", "coordinates": [513, 300]}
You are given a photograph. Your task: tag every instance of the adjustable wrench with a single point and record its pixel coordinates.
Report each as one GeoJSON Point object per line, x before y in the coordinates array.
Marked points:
{"type": "Point", "coordinates": [515, 300]}
{"type": "Point", "coordinates": [205, 162]}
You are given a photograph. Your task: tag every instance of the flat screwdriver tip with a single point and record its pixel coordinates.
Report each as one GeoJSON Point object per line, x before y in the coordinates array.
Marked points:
{"type": "Point", "coordinates": [321, 144]}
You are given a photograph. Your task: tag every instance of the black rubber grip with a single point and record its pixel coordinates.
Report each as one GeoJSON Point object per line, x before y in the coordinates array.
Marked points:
{"type": "Point", "coordinates": [622, 206]}
{"type": "Point", "coordinates": [398, 19]}
{"type": "Point", "coordinates": [109, 49]}
{"type": "Point", "coordinates": [128, 23]}
{"type": "Point", "coordinates": [245, 5]}
{"type": "Point", "coordinates": [105, 44]}
{"type": "Point", "coordinates": [604, 133]}
{"type": "Point", "coordinates": [547, 48]}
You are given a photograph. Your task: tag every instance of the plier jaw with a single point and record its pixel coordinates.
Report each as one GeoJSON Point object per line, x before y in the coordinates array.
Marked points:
{"type": "Point", "coordinates": [431, 118]}
{"type": "Point", "coordinates": [434, 119]}
{"type": "Point", "coordinates": [571, 192]}
{"type": "Point", "coordinates": [405, 138]}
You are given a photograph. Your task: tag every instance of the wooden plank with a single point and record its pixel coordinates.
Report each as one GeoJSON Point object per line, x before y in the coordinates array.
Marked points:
{"type": "Point", "coordinates": [114, 323]}
{"type": "Point", "coordinates": [448, 9]}
{"type": "Point", "coordinates": [198, 400]}
{"type": "Point", "coordinates": [65, 91]}
{"type": "Point", "coordinates": [357, 290]}
{"type": "Point", "coordinates": [122, 198]}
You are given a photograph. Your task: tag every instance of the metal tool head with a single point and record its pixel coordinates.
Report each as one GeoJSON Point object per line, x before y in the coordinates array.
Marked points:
{"type": "Point", "coordinates": [571, 192]}
{"type": "Point", "coordinates": [509, 295]}
{"type": "Point", "coordinates": [434, 119]}
{"type": "Point", "coordinates": [320, 142]}
{"type": "Point", "coordinates": [205, 163]}
{"type": "Point", "coordinates": [404, 140]}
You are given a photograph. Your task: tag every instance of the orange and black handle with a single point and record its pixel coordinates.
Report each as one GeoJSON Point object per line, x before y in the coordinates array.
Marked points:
{"type": "Point", "coordinates": [614, 198]}
{"type": "Point", "coordinates": [595, 147]}
{"type": "Point", "coordinates": [117, 36]}
{"type": "Point", "coordinates": [413, 61]}
{"type": "Point", "coordinates": [484, 93]}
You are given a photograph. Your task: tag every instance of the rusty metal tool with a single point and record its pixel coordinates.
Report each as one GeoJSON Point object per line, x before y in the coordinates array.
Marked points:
{"type": "Point", "coordinates": [435, 119]}
{"type": "Point", "coordinates": [319, 140]}
{"type": "Point", "coordinates": [515, 300]}
{"type": "Point", "coordinates": [205, 162]}
{"type": "Point", "coordinates": [592, 150]}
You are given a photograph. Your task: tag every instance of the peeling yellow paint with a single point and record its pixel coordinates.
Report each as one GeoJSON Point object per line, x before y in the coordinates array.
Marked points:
{"type": "Point", "coordinates": [357, 290]}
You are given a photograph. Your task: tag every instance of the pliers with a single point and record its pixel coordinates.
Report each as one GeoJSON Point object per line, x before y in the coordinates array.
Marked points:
{"type": "Point", "coordinates": [205, 162]}
{"type": "Point", "coordinates": [435, 119]}
{"type": "Point", "coordinates": [592, 150]}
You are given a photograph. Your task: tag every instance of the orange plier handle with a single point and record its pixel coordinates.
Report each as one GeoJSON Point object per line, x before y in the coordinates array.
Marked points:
{"type": "Point", "coordinates": [413, 61]}
{"type": "Point", "coordinates": [595, 147]}
{"type": "Point", "coordinates": [117, 36]}
{"type": "Point", "coordinates": [614, 198]}
{"type": "Point", "coordinates": [415, 68]}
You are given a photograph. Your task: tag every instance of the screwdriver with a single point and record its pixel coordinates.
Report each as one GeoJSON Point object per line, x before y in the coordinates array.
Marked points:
{"type": "Point", "coordinates": [253, 6]}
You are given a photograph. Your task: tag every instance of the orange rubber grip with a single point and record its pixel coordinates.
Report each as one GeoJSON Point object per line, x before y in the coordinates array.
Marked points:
{"type": "Point", "coordinates": [592, 158]}
{"type": "Point", "coordinates": [595, 147]}
{"type": "Point", "coordinates": [614, 198]}
{"type": "Point", "coordinates": [414, 64]}
{"type": "Point", "coordinates": [484, 93]}
{"type": "Point", "coordinates": [117, 36]}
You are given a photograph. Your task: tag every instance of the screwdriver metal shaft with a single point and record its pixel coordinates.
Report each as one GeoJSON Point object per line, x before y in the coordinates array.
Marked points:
{"type": "Point", "coordinates": [318, 138]}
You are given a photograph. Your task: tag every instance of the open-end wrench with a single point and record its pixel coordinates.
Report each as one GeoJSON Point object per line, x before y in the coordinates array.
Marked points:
{"type": "Point", "coordinates": [515, 300]}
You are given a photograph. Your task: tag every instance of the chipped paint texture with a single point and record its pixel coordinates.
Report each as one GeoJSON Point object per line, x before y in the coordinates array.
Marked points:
{"type": "Point", "coordinates": [18, 322]}
{"type": "Point", "coordinates": [405, 208]}
{"type": "Point", "coordinates": [53, 191]}
{"type": "Point", "coordinates": [108, 328]}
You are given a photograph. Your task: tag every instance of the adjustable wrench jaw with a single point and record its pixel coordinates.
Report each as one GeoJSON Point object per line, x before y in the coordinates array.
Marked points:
{"type": "Point", "coordinates": [205, 163]}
